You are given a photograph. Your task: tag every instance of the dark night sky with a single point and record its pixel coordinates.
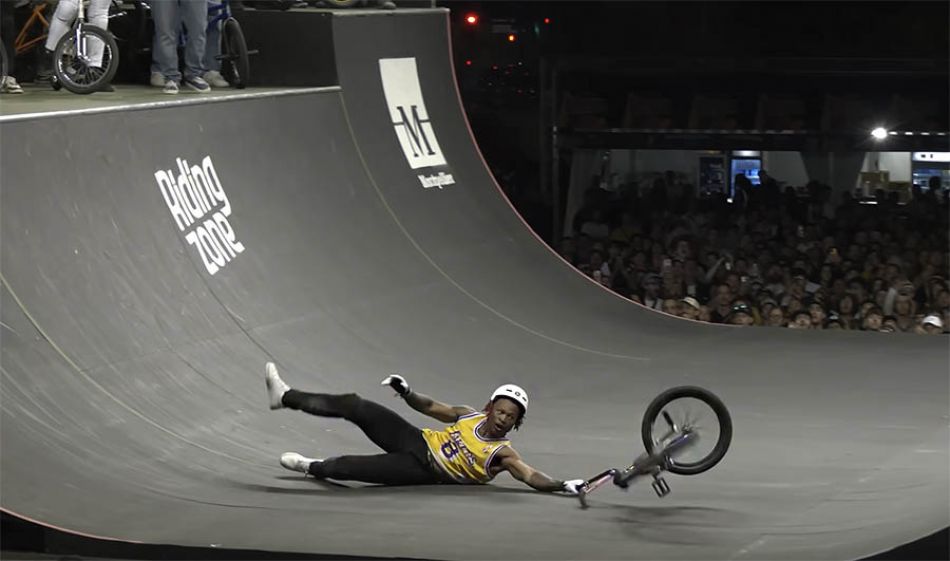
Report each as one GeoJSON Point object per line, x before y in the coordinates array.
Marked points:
{"type": "Point", "coordinates": [871, 29]}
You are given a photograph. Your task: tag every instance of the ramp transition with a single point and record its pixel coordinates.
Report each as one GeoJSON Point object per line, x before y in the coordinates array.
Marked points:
{"type": "Point", "coordinates": [153, 259]}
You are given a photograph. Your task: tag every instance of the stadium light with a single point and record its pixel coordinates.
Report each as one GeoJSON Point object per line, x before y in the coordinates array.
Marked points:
{"type": "Point", "coordinates": [880, 133]}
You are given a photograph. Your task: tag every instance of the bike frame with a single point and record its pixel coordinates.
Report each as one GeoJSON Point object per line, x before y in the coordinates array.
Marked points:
{"type": "Point", "coordinates": [218, 13]}
{"type": "Point", "coordinates": [645, 464]}
{"type": "Point", "coordinates": [81, 46]}
{"type": "Point", "coordinates": [21, 44]}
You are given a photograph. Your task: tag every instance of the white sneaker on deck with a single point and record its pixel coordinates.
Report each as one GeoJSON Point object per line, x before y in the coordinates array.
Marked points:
{"type": "Point", "coordinates": [296, 462]}
{"type": "Point", "coordinates": [276, 388]}
{"type": "Point", "coordinates": [215, 79]}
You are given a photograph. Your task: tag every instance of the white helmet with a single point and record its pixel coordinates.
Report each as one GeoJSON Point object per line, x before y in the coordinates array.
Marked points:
{"type": "Point", "coordinates": [514, 393]}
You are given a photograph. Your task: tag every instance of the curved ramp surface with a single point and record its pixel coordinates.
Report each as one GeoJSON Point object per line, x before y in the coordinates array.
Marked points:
{"type": "Point", "coordinates": [140, 302]}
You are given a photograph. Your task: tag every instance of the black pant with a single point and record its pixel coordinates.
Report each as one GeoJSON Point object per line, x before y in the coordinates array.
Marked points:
{"type": "Point", "coordinates": [406, 459]}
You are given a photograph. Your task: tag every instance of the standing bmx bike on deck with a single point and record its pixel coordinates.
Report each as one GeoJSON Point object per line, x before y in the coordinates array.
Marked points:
{"type": "Point", "coordinates": [671, 430]}
{"type": "Point", "coordinates": [74, 60]}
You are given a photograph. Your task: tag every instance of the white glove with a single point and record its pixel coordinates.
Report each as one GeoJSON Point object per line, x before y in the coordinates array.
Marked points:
{"type": "Point", "coordinates": [398, 383]}
{"type": "Point", "coordinates": [572, 486]}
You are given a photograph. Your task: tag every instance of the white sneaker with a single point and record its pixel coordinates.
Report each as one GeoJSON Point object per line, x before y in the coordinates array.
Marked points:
{"type": "Point", "coordinates": [171, 87]}
{"type": "Point", "coordinates": [215, 79]}
{"type": "Point", "coordinates": [8, 84]}
{"type": "Point", "coordinates": [296, 462]}
{"type": "Point", "coordinates": [157, 80]}
{"type": "Point", "coordinates": [196, 84]}
{"type": "Point", "coordinates": [276, 388]}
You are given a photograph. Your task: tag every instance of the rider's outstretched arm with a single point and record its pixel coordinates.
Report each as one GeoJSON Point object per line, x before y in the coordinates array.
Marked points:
{"type": "Point", "coordinates": [512, 462]}
{"type": "Point", "coordinates": [425, 404]}
{"type": "Point", "coordinates": [436, 409]}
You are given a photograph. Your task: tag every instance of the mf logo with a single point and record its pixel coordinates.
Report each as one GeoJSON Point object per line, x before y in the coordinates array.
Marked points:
{"type": "Point", "coordinates": [408, 112]}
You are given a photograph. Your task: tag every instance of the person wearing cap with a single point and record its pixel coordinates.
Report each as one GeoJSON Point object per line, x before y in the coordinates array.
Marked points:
{"type": "Point", "coordinates": [690, 308]}
{"type": "Point", "coordinates": [473, 449]}
{"type": "Point", "coordinates": [932, 324]}
{"type": "Point", "coordinates": [833, 322]}
{"type": "Point", "coordinates": [740, 314]}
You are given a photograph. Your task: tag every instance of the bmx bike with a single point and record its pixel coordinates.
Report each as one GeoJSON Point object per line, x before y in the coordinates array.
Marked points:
{"type": "Point", "coordinates": [235, 64]}
{"type": "Point", "coordinates": [86, 58]}
{"type": "Point", "coordinates": [671, 430]}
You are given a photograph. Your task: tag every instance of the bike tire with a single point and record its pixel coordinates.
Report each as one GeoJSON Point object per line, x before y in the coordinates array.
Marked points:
{"type": "Point", "coordinates": [103, 78]}
{"type": "Point", "coordinates": [722, 415]}
{"type": "Point", "coordinates": [235, 64]}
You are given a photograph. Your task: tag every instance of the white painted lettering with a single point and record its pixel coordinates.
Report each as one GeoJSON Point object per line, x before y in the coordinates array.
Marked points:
{"type": "Point", "coordinates": [225, 228]}
{"type": "Point", "coordinates": [193, 195]}
{"type": "Point", "coordinates": [170, 195]}
{"type": "Point", "coordinates": [192, 239]}
{"type": "Point", "coordinates": [215, 184]}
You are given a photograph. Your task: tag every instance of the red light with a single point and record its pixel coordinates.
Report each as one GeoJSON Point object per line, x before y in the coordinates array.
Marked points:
{"type": "Point", "coordinates": [547, 21]}
{"type": "Point", "coordinates": [468, 62]}
{"type": "Point", "coordinates": [512, 37]}
{"type": "Point", "coordinates": [471, 19]}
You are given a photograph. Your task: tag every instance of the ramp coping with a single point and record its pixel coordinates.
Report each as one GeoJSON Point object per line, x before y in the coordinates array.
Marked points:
{"type": "Point", "coordinates": [139, 106]}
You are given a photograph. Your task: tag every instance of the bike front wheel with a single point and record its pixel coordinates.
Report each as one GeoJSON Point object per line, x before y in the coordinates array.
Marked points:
{"type": "Point", "coordinates": [683, 419]}
{"type": "Point", "coordinates": [235, 66]}
{"type": "Point", "coordinates": [87, 61]}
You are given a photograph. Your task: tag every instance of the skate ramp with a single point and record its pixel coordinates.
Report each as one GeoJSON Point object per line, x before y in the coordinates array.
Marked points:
{"type": "Point", "coordinates": [136, 320]}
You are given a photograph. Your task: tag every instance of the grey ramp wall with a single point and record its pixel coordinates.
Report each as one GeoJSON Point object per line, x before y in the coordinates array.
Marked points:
{"type": "Point", "coordinates": [133, 405]}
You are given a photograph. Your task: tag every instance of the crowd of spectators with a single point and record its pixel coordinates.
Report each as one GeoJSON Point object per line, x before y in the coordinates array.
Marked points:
{"type": "Point", "coordinates": [775, 256]}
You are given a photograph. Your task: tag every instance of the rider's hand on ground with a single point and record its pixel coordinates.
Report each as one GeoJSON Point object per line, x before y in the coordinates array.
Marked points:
{"type": "Point", "coordinates": [397, 383]}
{"type": "Point", "coordinates": [572, 485]}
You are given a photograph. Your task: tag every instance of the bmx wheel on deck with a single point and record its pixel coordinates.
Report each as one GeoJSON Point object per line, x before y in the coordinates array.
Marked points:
{"type": "Point", "coordinates": [71, 63]}
{"type": "Point", "coordinates": [235, 66]}
{"type": "Point", "coordinates": [672, 402]}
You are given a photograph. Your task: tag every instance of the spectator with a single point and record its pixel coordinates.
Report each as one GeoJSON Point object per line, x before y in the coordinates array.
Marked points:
{"type": "Point", "coordinates": [904, 310]}
{"type": "Point", "coordinates": [671, 306]}
{"type": "Point", "coordinates": [8, 83]}
{"type": "Point", "coordinates": [721, 304]}
{"type": "Point", "coordinates": [800, 320]}
{"type": "Point", "coordinates": [690, 308]}
{"type": "Point", "coordinates": [210, 62]}
{"type": "Point", "coordinates": [740, 314]}
{"type": "Point", "coordinates": [932, 325]}
{"type": "Point", "coordinates": [873, 319]}
{"type": "Point", "coordinates": [651, 291]}
{"type": "Point", "coordinates": [168, 16]}
{"type": "Point", "coordinates": [817, 313]}
{"type": "Point", "coordinates": [775, 317]}
{"type": "Point", "coordinates": [834, 322]}
{"type": "Point", "coordinates": [846, 311]}
{"type": "Point", "coordinates": [597, 265]}
{"type": "Point", "coordinates": [791, 256]}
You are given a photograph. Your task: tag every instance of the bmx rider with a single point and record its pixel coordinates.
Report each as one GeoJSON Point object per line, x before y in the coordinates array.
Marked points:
{"type": "Point", "coordinates": [473, 449]}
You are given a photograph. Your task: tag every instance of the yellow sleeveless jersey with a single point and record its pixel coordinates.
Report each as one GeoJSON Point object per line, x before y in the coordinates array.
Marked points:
{"type": "Point", "coordinates": [461, 452]}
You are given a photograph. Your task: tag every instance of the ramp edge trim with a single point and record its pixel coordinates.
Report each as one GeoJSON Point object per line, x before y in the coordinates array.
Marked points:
{"type": "Point", "coordinates": [165, 103]}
